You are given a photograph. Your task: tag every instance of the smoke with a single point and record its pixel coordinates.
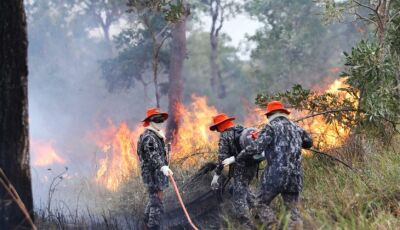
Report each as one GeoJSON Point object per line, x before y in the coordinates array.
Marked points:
{"type": "Point", "coordinates": [68, 98]}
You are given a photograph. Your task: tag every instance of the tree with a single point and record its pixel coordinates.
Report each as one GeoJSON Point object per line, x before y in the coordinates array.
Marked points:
{"type": "Point", "coordinates": [141, 49]}
{"type": "Point", "coordinates": [219, 10]}
{"type": "Point", "coordinates": [14, 138]}
{"type": "Point", "coordinates": [175, 14]}
{"type": "Point", "coordinates": [197, 71]}
{"type": "Point", "coordinates": [371, 73]}
{"type": "Point", "coordinates": [104, 13]}
{"type": "Point", "coordinates": [294, 46]}
{"type": "Point", "coordinates": [373, 66]}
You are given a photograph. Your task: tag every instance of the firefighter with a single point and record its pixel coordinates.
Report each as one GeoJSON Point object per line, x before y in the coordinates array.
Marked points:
{"type": "Point", "coordinates": [281, 141]}
{"type": "Point", "coordinates": [152, 152]}
{"type": "Point", "coordinates": [241, 171]}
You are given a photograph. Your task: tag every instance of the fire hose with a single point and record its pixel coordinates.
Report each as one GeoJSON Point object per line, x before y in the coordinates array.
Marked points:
{"type": "Point", "coordinates": [181, 202]}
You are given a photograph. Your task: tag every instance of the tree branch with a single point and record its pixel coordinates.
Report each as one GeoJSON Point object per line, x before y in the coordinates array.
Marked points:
{"type": "Point", "coordinates": [366, 6]}
{"type": "Point", "coordinates": [159, 34]}
{"type": "Point", "coordinates": [326, 112]}
{"type": "Point", "coordinates": [221, 18]}
{"type": "Point", "coordinates": [366, 19]}
{"type": "Point", "coordinates": [332, 158]}
{"type": "Point", "coordinates": [394, 16]}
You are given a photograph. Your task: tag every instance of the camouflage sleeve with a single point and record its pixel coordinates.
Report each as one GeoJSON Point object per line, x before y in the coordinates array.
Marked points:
{"type": "Point", "coordinates": [151, 148]}
{"type": "Point", "coordinates": [223, 153]}
{"type": "Point", "coordinates": [307, 140]}
{"type": "Point", "coordinates": [264, 139]}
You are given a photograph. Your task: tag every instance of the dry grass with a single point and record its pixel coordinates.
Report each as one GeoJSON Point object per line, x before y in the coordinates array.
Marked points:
{"type": "Point", "coordinates": [334, 196]}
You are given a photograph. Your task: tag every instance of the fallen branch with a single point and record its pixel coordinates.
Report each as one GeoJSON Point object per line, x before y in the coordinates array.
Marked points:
{"type": "Point", "coordinates": [332, 158]}
{"type": "Point", "coordinates": [183, 159]}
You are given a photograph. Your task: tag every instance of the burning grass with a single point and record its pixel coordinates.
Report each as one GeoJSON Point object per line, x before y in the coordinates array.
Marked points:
{"type": "Point", "coordinates": [334, 196]}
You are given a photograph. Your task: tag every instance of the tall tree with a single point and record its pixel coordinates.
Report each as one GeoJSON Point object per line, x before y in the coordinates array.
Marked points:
{"type": "Point", "coordinates": [14, 140]}
{"type": "Point", "coordinates": [219, 10]}
{"type": "Point", "coordinates": [104, 13]}
{"type": "Point", "coordinates": [174, 14]}
{"type": "Point", "coordinates": [141, 49]}
{"type": "Point", "coordinates": [178, 55]}
{"type": "Point", "coordinates": [294, 45]}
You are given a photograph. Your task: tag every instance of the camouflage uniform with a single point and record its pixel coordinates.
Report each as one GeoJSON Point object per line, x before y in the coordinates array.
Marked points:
{"type": "Point", "coordinates": [152, 155]}
{"type": "Point", "coordinates": [241, 171]}
{"type": "Point", "coordinates": [282, 141]}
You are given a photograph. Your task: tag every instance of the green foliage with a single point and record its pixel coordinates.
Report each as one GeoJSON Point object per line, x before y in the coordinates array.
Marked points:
{"type": "Point", "coordinates": [294, 46]}
{"type": "Point", "coordinates": [197, 72]}
{"type": "Point", "coordinates": [332, 107]}
{"type": "Point", "coordinates": [372, 74]}
{"type": "Point", "coordinates": [374, 78]}
{"type": "Point", "coordinates": [134, 60]}
{"type": "Point", "coordinates": [172, 10]}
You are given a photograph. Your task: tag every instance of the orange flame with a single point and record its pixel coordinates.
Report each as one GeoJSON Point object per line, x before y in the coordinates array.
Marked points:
{"type": "Point", "coordinates": [334, 134]}
{"type": "Point", "coordinates": [44, 154]}
{"type": "Point", "coordinates": [194, 136]}
{"type": "Point", "coordinates": [120, 161]}
{"type": "Point", "coordinates": [195, 142]}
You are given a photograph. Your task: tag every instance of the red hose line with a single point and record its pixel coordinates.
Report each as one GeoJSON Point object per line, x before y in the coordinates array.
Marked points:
{"type": "Point", "coordinates": [181, 202]}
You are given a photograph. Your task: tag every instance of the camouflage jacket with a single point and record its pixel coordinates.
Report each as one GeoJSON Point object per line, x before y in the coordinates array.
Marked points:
{"type": "Point", "coordinates": [229, 146]}
{"type": "Point", "coordinates": [152, 155]}
{"type": "Point", "coordinates": [282, 141]}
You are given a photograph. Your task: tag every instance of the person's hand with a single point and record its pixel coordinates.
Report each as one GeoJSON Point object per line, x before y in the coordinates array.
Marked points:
{"type": "Point", "coordinates": [166, 170]}
{"type": "Point", "coordinates": [214, 182]}
{"type": "Point", "coordinates": [228, 161]}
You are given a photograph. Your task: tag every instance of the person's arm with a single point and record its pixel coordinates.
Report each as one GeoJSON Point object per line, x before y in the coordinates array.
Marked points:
{"type": "Point", "coordinates": [223, 153]}
{"type": "Point", "coordinates": [152, 148]}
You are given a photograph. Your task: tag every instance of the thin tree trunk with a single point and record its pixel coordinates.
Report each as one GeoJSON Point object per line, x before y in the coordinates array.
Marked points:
{"type": "Point", "coordinates": [217, 14]}
{"type": "Point", "coordinates": [178, 55]}
{"type": "Point", "coordinates": [214, 46]}
{"type": "Point", "coordinates": [155, 80]}
{"type": "Point", "coordinates": [14, 138]}
{"type": "Point", "coordinates": [106, 32]}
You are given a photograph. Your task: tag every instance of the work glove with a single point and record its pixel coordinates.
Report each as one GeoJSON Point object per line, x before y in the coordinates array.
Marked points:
{"type": "Point", "coordinates": [228, 161]}
{"type": "Point", "coordinates": [166, 170]}
{"type": "Point", "coordinates": [214, 182]}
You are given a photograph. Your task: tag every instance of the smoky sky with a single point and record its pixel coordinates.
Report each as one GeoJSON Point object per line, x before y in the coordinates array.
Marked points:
{"type": "Point", "coordinates": [67, 95]}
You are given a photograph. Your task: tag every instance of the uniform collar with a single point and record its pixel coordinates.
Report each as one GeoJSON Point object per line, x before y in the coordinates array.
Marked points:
{"type": "Point", "coordinates": [276, 115]}
{"type": "Point", "coordinates": [159, 133]}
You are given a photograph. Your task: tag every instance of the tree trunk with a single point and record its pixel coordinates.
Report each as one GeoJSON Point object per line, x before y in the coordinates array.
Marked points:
{"type": "Point", "coordinates": [178, 54]}
{"type": "Point", "coordinates": [14, 138]}
{"type": "Point", "coordinates": [213, 62]}
{"type": "Point", "coordinates": [216, 82]}
{"type": "Point", "coordinates": [106, 33]}
{"type": "Point", "coordinates": [213, 57]}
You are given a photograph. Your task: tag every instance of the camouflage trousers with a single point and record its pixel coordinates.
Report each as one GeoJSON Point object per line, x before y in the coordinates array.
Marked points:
{"type": "Point", "coordinates": [154, 210]}
{"type": "Point", "coordinates": [243, 201]}
{"type": "Point", "coordinates": [267, 215]}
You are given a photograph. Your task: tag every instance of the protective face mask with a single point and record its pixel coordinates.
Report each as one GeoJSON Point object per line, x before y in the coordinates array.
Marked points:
{"type": "Point", "coordinates": [156, 126]}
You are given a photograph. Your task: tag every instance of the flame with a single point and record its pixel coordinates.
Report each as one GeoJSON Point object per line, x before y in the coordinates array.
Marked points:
{"type": "Point", "coordinates": [194, 141]}
{"type": "Point", "coordinates": [44, 154]}
{"type": "Point", "coordinates": [334, 134]}
{"type": "Point", "coordinates": [118, 145]}
{"type": "Point", "coordinates": [255, 116]}
{"type": "Point", "coordinates": [194, 136]}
